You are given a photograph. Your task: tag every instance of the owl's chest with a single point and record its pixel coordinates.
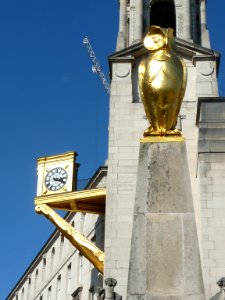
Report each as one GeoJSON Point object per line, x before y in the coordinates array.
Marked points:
{"type": "Point", "coordinates": [166, 73]}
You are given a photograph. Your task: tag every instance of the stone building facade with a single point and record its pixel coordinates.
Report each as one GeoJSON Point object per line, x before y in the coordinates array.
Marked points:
{"type": "Point", "coordinates": [59, 271]}
{"type": "Point", "coordinates": [201, 120]}
{"type": "Point", "coordinates": [62, 272]}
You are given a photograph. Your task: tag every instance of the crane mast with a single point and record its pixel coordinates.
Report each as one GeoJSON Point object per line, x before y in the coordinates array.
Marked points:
{"type": "Point", "coordinates": [96, 68]}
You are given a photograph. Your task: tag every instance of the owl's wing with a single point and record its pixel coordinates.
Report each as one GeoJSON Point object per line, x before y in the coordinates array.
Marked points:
{"type": "Point", "coordinates": [142, 83]}
{"type": "Point", "coordinates": [184, 83]}
{"type": "Point", "coordinates": [141, 71]}
{"type": "Point", "coordinates": [154, 68]}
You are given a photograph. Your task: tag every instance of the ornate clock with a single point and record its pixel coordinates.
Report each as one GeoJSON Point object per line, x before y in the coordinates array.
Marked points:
{"type": "Point", "coordinates": [57, 174]}
{"type": "Point", "coordinates": [56, 179]}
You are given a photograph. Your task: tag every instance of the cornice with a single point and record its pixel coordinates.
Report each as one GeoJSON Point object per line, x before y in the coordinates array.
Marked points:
{"type": "Point", "coordinates": [194, 51]}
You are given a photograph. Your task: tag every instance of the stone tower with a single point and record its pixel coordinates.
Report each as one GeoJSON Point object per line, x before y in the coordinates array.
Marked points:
{"type": "Point", "coordinates": [201, 120]}
{"type": "Point", "coordinates": [187, 18]}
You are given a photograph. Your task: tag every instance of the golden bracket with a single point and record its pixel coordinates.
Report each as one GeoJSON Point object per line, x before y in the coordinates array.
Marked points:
{"type": "Point", "coordinates": [88, 201]}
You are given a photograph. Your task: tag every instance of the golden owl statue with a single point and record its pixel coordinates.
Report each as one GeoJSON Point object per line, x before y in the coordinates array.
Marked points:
{"type": "Point", "coordinates": [162, 82]}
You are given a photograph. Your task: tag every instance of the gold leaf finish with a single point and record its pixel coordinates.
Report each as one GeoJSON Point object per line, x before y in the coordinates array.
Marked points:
{"type": "Point", "coordinates": [87, 201]}
{"type": "Point", "coordinates": [86, 247]}
{"type": "Point", "coordinates": [162, 82]}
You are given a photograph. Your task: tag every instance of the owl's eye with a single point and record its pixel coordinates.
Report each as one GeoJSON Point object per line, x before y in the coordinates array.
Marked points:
{"type": "Point", "coordinates": [155, 39]}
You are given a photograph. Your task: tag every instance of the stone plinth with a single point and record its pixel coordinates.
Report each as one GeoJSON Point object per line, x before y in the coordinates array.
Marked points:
{"type": "Point", "coordinates": [165, 260]}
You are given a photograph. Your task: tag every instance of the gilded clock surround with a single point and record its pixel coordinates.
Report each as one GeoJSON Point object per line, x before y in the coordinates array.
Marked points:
{"type": "Point", "coordinates": [46, 164]}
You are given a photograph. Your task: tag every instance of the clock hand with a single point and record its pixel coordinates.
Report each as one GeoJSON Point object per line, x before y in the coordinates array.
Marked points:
{"type": "Point", "coordinates": [59, 179]}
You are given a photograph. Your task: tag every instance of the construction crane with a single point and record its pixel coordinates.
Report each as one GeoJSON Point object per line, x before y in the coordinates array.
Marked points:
{"type": "Point", "coordinates": [96, 68]}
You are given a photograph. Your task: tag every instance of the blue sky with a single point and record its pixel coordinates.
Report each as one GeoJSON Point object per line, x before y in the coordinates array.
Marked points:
{"type": "Point", "coordinates": [51, 102]}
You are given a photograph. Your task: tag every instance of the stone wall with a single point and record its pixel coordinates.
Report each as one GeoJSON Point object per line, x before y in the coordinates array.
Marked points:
{"type": "Point", "coordinates": [127, 123]}
{"type": "Point", "coordinates": [211, 173]}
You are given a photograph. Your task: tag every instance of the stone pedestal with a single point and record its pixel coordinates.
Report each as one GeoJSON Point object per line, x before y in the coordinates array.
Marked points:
{"type": "Point", "coordinates": [165, 260]}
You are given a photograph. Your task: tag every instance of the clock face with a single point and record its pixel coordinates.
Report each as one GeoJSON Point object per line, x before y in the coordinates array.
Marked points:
{"type": "Point", "coordinates": [56, 179]}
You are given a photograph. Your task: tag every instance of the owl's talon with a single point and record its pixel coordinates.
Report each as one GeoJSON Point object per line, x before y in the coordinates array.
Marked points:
{"type": "Point", "coordinates": [162, 132]}
{"type": "Point", "coordinates": [148, 131]}
{"type": "Point", "coordinates": [175, 132]}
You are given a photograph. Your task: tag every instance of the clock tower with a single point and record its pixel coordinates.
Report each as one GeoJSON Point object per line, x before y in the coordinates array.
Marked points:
{"type": "Point", "coordinates": [201, 121]}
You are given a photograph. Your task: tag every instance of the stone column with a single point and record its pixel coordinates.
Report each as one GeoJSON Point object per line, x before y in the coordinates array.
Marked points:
{"type": "Point", "coordinates": [203, 15]}
{"type": "Point", "coordinates": [138, 29]}
{"type": "Point", "coordinates": [132, 21]}
{"type": "Point", "coordinates": [186, 20]}
{"type": "Point", "coordinates": [204, 31]}
{"type": "Point", "coordinates": [121, 42]}
{"type": "Point", "coordinates": [165, 260]}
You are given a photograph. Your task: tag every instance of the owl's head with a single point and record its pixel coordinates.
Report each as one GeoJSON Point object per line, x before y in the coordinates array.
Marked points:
{"type": "Point", "coordinates": [159, 38]}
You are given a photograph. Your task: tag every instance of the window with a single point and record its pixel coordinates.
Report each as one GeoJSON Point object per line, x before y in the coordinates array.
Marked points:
{"type": "Point", "coordinates": [49, 293]}
{"type": "Point", "coordinates": [80, 266]}
{"type": "Point", "coordinates": [92, 293]}
{"type": "Point", "coordinates": [58, 288]}
{"type": "Point", "coordinates": [52, 258]}
{"type": "Point", "coordinates": [44, 262]}
{"type": "Point", "coordinates": [29, 279]}
{"type": "Point", "coordinates": [77, 294]}
{"type": "Point", "coordinates": [93, 240]}
{"type": "Point", "coordinates": [61, 246]}
{"type": "Point", "coordinates": [68, 278]}
{"type": "Point", "coordinates": [163, 14]}
{"type": "Point", "coordinates": [82, 221]}
{"type": "Point", "coordinates": [36, 279]}
{"type": "Point", "coordinates": [43, 267]}
{"type": "Point", "coordinates": [28, 288]}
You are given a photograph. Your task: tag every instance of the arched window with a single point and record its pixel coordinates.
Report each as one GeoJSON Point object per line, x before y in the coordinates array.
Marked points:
{"type": "Point", "coordinates": [58, 288]}
{"type": "Point", "coordinates": [61, 246]}
{"type": "Point", "coordinates": [43, 266]}
{"type": "Point", "coordinates": [29, 279]}
{"type": "Point", "coordinates": [49, 297]}
{"type": "Point", "coordinates": [69, 278]}
{"type": "Point", "coordinates": [44, 262]}
{"type": "Point", "coordinates": [52, 258]}
{"type": "Point", "coordinates": [36, 279]}
{"type": "Point", "coordinates": [163, 14]}
{"type": "Point", "coordinates": [29, 286]}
